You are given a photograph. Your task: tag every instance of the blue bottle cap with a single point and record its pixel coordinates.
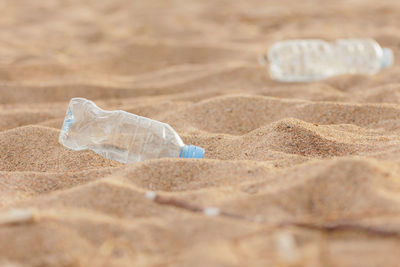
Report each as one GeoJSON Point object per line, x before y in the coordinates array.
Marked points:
{"type": "Point", "coordinates": [190, 151]}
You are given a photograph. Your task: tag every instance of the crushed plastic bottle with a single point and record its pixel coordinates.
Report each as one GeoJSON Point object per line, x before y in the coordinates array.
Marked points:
{"type": "Point", "coordinates": [311, 60]}
{"type": "Point", "coordinates": [121, 136]}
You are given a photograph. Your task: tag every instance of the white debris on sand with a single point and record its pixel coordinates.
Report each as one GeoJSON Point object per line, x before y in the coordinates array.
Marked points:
{"type": "Point", "coordinates": [211, 211]}
{"type": "Point", "coordinates": [151, 195]}
{"type": "Point", "coordinates": [18, 216]}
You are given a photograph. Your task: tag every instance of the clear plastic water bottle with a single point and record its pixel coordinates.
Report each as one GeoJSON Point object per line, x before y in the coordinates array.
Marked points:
{"type": "Point", "coordinates": [310, 60]}
{"type": "Point", "coordinates": [121, 136]}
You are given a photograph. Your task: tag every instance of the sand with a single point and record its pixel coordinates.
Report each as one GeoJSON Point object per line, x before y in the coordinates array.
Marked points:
{"type": "Point", "coordinates": [303, 174]}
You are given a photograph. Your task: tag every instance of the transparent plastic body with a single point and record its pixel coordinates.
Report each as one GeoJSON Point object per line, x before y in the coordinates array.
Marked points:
{"type": "Point", "coordinates": [310, 60]}
{"type": "Point", "coordinates": [119, 135]}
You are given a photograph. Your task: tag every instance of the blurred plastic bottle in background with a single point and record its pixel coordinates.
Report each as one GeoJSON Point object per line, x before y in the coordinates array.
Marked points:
{"type": "Point", "coordinates": [121, 136]}
{"type": "Point", "coordinates": [310, 60]}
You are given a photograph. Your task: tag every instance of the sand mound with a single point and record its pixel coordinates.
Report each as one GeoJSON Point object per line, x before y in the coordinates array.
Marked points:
{"type": "Point", "coordinates": [242, 113]}
{"type": "Point", "coordinates": [177, 175]}
{"type": "Point", "coordinates": [346, 189]}
{"type": "Point", "coordinates": [14, 119]}
{"type": "Point", "coordinates": [61, 239]}
{"type": "Point", "coordinates": [17, 185]}
{"type": "Point", "coordinates": [35, 148]}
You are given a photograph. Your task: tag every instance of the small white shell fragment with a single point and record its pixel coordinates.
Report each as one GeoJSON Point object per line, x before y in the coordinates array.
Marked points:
{"type": "Point", "coordinates": [211, 211]}
{"type": "Point", "coordinates": [151, 195]}
{"type": "Point", "coordinates": [17, 216]}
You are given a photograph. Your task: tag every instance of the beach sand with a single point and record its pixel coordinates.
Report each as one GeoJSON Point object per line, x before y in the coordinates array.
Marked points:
{"type": "Point", "coordinates": [294, 174]}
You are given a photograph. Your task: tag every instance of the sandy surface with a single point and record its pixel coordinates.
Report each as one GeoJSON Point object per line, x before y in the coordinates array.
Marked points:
{"type": "Point", "coordinates": [301, 174]}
